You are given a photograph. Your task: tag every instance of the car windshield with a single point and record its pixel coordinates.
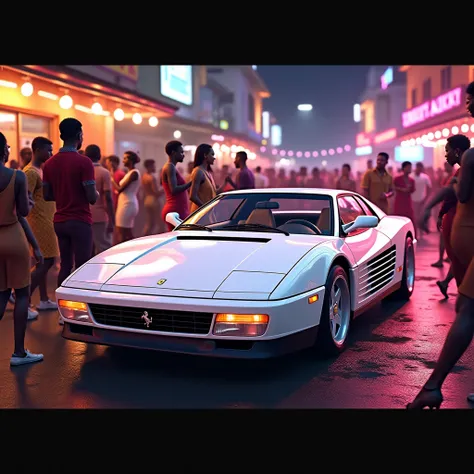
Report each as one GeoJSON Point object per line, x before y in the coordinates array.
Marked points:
{"type": "Point", "coordinates": [262, 212]}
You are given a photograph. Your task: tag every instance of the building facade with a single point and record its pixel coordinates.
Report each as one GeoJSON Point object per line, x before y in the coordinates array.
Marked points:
{"type": "Point", "coordinates": [435, 109]}
{"type": "Point", "coordinates": [202, 116]}
{"type": "Point", "coordinates": [34, 99]}
{"type": "Point", "coordinates": [379, 114]}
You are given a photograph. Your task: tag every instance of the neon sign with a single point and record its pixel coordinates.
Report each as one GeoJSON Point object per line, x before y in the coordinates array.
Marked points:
{"type": "Point", "coordinates": [386, 78]}
{"type": "Point", "coordinates": [363, 150]}
{"type": "Point", "coordinates": [363, 139]}
{"type": "Point", "coordinates": [431, 108]}
{"type": "Point", "coordinates": [385, 136]}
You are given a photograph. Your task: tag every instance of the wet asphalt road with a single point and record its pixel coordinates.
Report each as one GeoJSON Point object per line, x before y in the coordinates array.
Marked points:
{"type": "Point", "coordinates": [392, 349]}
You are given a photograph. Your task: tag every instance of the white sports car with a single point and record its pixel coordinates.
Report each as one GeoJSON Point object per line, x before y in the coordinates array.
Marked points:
{"type": "Point", "coordinates": [251, 274]}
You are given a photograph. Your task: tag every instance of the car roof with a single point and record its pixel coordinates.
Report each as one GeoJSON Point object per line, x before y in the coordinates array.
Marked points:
{"type": "Point", "coordinates": [322, 191]}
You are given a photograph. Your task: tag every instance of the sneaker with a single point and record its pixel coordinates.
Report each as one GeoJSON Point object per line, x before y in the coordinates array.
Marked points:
{"type": "Point", "coordinates": [61, 320]}
{"type": "Point", "coordinates": [47, 306]}
{"type": "Point", "coordinates": [12, 298]}
{"type": "Point", "coordinates": [32, 314]}
{"type": "Point", "coordinates": [28, 358]}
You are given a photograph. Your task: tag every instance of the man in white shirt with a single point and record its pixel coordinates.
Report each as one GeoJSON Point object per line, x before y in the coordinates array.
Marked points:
{"type": "Point", "coordinates": [420, 196]}
{"type": "Point", "coordinates": [261, 181]}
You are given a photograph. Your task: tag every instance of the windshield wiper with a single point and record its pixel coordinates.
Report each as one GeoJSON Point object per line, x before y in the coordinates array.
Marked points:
{"type": "Point", "coordinates": [256, 227]}
{"type": "Point", "coordinates": [194, 227]}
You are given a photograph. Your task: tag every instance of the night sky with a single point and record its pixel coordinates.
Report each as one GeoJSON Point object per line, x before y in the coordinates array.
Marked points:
{"type": "Point", "coordinates": [332, 90]}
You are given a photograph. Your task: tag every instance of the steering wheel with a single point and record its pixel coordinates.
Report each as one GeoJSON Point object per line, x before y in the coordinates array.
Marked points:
{"type": "Point", "coordinates": [308, 224]}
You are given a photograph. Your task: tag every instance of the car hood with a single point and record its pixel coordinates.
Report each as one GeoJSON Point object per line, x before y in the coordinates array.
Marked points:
{"type": "Point", "coordinates": [180, 263]}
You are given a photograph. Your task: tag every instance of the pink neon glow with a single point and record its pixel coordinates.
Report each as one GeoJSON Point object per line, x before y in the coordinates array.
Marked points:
{"type": "Point", "coordinates": [347, 148]}
{"type": "Point", "coordinates": [282, 152]}
{"type": "Point", "coordinates": [217, 138]}
{"type": "Point", "coordinates": [290, 153]}
{"type": "Point", "coordinates": [263, 149]}
{"type": "Point", "coordinates": [331, 151]}
{"type": "Point", "coordinates": [274, 151]}
{"type": "Point", "coordinates": [432, 108]}
{"type": "Point", "coordinates": [315, 154]}
{"type": "Point", "coordinates": [307, 154]}
{"type": "Point", "coordinates": [339, 149]}
{"type": "Point", "coordinates": [324, 152]}
{"type": "Point", "coordinates": [362, 139]}
{"type": "Point", "coordinates": [299, 154]}
{"type": "Point", "coordinates": [385, 135]}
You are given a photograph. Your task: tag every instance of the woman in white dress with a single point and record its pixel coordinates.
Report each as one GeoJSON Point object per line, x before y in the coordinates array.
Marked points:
{"type": "Point", "coordinates": [127, 204]}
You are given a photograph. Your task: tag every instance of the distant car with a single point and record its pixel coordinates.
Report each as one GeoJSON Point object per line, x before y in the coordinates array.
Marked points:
{"type": "Point", "coordinates": [251, 274]}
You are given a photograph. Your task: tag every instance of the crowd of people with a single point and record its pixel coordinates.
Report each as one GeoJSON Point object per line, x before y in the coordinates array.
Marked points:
{"type": "Point", "coordinates": [66, 207]}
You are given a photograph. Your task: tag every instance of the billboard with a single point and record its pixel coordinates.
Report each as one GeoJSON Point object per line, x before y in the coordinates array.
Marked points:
{"type": "Point", "coordinates": [177, 83]}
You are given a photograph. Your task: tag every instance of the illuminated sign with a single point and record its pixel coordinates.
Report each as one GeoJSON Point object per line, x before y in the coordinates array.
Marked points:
{"type": "Point", "coordinates": [276, 135]}
{"type": "Point", "coordinates": [357, 113]}
{"type": "Point", "coordinates": [386, 78]}
{"type": "Point", "coordinates": [409, 153]}
{"type": "Point", "coordinates": [385, 135]}
{"type": "Point", "coordinates": [363, 139]}
{"type": "Point", "coordinates": [177, 83]}
{"type": "Point", "coordinates": [266, 124]}
{"type": "Point", "coordinates": [130, 72]}
{"type": "Point", "coordinates": [363, 151]}
{"type": "Point", "coordinates": [217, 138]}
{"type": "Point", "coordinates": [432, 108]}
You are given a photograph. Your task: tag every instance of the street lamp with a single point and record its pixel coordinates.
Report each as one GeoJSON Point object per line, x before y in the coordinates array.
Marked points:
{"type": "Point", "coordinates": [305, 107]}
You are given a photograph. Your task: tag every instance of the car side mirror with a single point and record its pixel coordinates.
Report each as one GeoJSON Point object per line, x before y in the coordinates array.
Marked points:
{"type": "Point", "coordinates": [173, 219]}
{"type": "Point", "coordinates": [361, 222]}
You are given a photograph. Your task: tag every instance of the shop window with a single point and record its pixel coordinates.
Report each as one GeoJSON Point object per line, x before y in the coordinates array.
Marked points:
{"type": "Point", "coordinates": [9, 127]}
{"type": "Point", "coordinates": [32, 126]}
{"type": "Point", "coordinates": [414, 102]}
{"type": "Point", "coordinates": [446, 78]}
{"type": "Point", "coordinates": [426, 90]}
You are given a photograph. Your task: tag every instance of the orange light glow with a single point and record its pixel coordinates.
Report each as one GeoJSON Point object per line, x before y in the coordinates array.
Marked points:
{"type": "Point", "coordinates": [313, 299]}
{"type": "Point", "coordinates": [242, 318]}
{"type": "Point", "coordinates": [400, 268]}
{"type": "Point", "coordinates": [75, 305]}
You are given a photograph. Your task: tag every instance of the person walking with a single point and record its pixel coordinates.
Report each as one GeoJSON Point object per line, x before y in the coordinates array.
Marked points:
{"type": "Point", "coordinates": [40, 220]}
{"type": "Point", "coordinates": [68, 179]}
{"type": "Point", "coordinates": [15, 253]}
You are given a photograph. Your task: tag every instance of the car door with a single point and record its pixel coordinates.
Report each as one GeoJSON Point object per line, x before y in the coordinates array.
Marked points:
{"type": "Point", "coordinates": [372, 250]}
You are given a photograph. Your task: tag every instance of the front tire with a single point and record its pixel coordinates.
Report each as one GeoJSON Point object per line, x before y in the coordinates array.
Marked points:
{"type": "Point", "coordinates": [336, 313]}
{"type": "Point", "coordinates": [408, 278]}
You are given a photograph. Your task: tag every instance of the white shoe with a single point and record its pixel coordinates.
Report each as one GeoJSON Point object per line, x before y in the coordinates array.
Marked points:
{"type": "Point", "coordinates": [61, 320]}
{"type": "Point", "coordinates": [12, 298]}
{"type": "Point", "coordinates": [47, 306]}
{"type": "Point", "coordinates": [28, 358]}
{"type": "Point", "coordinates": [32, 314]}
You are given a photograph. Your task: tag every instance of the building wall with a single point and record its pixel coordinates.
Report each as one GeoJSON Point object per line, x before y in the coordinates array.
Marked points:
{"type": "Point", "coordinates": [149, 85]}
{"type": "Point", "coordinates": [98, 129]}
{"type": "Point", "coordinates": [233, 79]}
{"type": "Point", "coordinates": [416, 75]}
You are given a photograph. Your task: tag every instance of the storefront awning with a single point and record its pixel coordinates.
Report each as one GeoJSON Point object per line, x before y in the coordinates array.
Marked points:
{"type": "Point", "coordinates": [64, 77]}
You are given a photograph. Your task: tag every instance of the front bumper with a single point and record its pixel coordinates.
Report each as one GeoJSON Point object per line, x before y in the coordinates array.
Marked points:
{"type": "Point", "coordinates": [292, 326]}
{"type": "Point", "coordinates": [212, 347]}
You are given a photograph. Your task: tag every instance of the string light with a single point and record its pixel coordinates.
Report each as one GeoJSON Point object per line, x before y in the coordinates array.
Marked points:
{"type": "Point", "coordinates": [307, 154]}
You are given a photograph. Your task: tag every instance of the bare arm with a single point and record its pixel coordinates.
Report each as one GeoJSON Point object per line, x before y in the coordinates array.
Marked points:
{"type": "Point", "coordinates": [464, 184]}
{"type": "Point", "coordinates": [21, 195]}
{"type": "Point", "coordinates": [196, 181]}
{"type": "Point", "coordinates": [131, 178]}
{"type": "Point", "coordinates": [172, 181]}
{"type": "Point", "coordinates": [438, 197]}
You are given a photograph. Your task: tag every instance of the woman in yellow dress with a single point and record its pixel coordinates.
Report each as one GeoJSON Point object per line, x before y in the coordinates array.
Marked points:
{"type": "Point", "coordinates": [41, 221]}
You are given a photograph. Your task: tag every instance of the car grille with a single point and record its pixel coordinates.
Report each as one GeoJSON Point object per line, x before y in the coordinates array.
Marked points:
{"type": "Point", "coordinates": [189, 322]}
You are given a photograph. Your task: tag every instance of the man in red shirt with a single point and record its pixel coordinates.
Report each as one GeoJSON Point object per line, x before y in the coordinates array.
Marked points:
{"type": "Point", "coordinates": [68, 179]}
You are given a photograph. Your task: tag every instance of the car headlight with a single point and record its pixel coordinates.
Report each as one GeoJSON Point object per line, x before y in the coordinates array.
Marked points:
{"type": "Point", "coordinates": [74, 310]}
{"type": "Point", "coordinates": [246, 325]}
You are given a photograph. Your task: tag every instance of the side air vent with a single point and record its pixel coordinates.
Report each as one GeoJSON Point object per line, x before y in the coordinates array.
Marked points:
{"type": "Point", "coordinates": [223, 239]}
{"type": "Point", "coordinates": [377, 273]}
